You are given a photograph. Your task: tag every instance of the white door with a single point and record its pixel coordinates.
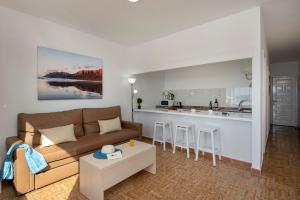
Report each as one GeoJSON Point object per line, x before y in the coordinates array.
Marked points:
{"type": "Point", "coordinates": [284, 100]}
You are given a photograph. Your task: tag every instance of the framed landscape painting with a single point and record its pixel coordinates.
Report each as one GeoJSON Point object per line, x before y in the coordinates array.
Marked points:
{"type": "Point", "coordinates": [65, 75]}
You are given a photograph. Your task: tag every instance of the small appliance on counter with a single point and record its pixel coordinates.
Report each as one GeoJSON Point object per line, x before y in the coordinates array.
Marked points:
{"type": "Point", "coordinates": [167, 103]}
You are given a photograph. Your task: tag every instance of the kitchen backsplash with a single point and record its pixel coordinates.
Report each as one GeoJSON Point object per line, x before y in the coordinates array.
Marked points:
{"type": "Point", "coordinates": [227, 97]}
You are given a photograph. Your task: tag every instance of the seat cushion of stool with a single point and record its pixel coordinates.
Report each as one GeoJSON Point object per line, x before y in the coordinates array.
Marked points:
{"type": "Point", "coordinates": [184, 125]}
{"type": "Point", "coordinates": [207, 128]}
{"type": "Point", "coordinates": [162, 123]}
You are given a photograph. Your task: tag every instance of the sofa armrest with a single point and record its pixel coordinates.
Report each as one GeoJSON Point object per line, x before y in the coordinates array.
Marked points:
{"type": "Point", "coordinates": [134, 126]}
{"type": "Point", "coordinates": [12, 140]}
{"type": "Point", "coordinates": [23, 178]}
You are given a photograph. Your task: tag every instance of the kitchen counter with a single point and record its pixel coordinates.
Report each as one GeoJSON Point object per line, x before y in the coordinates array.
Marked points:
{"type": "Point", "coordinates": [235, 129]}
{"type": "Point", "coordinates": [202, 114]}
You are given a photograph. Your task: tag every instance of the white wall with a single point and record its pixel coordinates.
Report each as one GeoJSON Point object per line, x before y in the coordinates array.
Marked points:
{"type": "Point", "coordinates": [150, 87]}
{"type": "Point", "coordinates": [197, 85]}
{"type": "Point", "coordinates": [290, 68]}
{"type": "Point", "coordinates": [265, 97]}
{"type": "Point", "coordinates": [230, 38]}
{"type": "Point", "coordinates": [216, 75]}
{"type": "Point", "coordinates": [20, 34]}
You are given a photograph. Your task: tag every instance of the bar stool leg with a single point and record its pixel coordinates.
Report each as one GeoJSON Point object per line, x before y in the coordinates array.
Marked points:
{"type": "Point", "coordinates": [154, 134]}
{"type": "Point", "coordinates": [197, 146]}
{"type": "Point", "coordinates": [174, 145]}
{"type": "Point", "coordinates": [220, 146]}
{"type": "Point", "coordinates": [204, 137]}
{"type": "Point", "coordinates": [164, 136]}
{"type": "Point", "coordinates": [213, 148]}
{"type": "Point", "coordinates": [194, 139]}
{"type": "Point", "coordinates": [187, 143]}
{"type": "Point", "coordinates": [171, 134]}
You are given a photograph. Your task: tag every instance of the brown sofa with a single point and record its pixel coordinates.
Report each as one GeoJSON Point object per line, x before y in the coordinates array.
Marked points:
{"type": "Point", "coordinates": [63, 158]}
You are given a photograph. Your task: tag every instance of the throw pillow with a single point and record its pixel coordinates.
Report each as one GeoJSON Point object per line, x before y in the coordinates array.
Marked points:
{"type": "Point", "coordinates": [57, 135]}
{"type": "Point", "coordinates": [110, 125]}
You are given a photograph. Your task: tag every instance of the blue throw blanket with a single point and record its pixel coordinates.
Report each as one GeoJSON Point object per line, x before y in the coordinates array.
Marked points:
{"type": "Point", "coordinates": [35, 161]}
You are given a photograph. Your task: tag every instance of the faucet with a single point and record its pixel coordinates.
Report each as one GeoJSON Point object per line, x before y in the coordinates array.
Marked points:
{"type": "Point", "coordinates": [240, 104]}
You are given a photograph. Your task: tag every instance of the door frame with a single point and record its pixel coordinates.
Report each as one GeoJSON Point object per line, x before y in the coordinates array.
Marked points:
{"type": "Point", "coordinates": [271, 99]}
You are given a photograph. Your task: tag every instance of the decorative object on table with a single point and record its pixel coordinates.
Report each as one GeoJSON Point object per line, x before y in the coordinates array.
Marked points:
{"type": "Point", "coordinates": [131, 142]}
{"type": "Point", "coordinates": [104, 156]}
{"type": "Point", "coordinates": [65, 75]}
{"type": "Point", "coordinates": [108, 149]}
{"type": "Point", "coordinates": [115, 155]}
{"type": "Point", "coordinates": [139, 101]}
{"type": "Point", "coordinates": [133, 91]}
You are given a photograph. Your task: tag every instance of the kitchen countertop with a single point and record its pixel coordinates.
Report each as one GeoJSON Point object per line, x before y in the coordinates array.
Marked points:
{"type": "Point", "coordinates": [201, 113]}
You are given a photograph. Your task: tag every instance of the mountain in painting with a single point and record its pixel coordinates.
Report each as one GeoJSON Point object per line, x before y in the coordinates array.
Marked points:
{"type": "Point", "coordinates": [90, 75]}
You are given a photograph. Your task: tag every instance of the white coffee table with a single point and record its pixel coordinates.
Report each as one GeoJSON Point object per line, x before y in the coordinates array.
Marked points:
{"type": "Point", "coordinates": [98, 175]}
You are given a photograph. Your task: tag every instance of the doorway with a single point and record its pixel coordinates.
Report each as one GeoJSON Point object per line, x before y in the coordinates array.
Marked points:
{"type": "Point", "coordinates": [284, 100]}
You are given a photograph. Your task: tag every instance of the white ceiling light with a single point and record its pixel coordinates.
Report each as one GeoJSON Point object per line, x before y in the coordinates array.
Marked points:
{"type": "Point", "coordinates": [131, 80]}
{"type": "Point", "coordinates": [133, 1]}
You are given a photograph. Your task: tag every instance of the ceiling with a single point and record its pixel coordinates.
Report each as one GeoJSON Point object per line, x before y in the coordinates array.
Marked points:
{"type": "Point", "coordinates": [133, 23]}
{"type": "Point", "coordinates": [282, 28]}
{"type": "Point", "coordinates": [130, 23]}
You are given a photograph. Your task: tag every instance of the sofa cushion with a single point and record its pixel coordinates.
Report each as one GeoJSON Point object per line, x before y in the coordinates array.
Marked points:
{"type": "Point", "coordinates": [57, 135]}
{"type": "Point", "coordinates": [109, 125]}
{"type": "Point", "coordinates": [58, 151]}
{"type": "Point", "coordinates": [96, 141]}
{"type": "Point", "coordinates": [29, 124]}
{"type": "Point", "coordinates": [92, 115]}
{"type": "Point", "coordinates": [85, 144]}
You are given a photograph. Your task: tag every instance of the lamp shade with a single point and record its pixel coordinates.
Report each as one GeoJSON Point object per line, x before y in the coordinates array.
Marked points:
{"type": "Point", "coordinates": [131, 80]}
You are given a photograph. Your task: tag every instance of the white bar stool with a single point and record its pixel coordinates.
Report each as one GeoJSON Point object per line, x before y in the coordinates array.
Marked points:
{"type": "Point", "coordinates": [185, 129]}
{"type": "Point", "coordinates": [163, 138]}
{"type": "Point", "coordinates": [212, 148]}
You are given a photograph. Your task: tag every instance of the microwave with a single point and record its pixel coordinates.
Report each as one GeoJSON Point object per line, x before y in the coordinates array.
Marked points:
{"type": "Point", "coordinates": [167, 103]}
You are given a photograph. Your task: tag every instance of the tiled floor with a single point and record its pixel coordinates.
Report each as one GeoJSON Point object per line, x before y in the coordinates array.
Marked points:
{"type": "Point", "coordinates": [181, 178]}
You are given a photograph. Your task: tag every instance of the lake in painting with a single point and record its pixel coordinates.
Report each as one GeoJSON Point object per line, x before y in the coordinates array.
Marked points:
{"type": "Point", "coordinates": [64, 75]}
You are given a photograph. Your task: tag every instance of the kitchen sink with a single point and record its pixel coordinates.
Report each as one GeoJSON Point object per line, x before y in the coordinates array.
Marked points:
{"type": "Point", "coordinates": [237, 111]}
